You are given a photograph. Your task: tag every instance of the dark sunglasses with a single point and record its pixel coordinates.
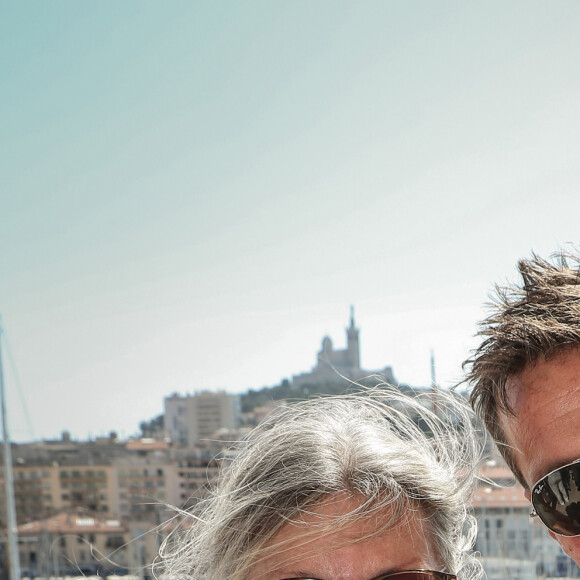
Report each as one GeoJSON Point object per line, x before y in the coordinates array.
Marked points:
{"type": "Point", "coordinates": [407, 575]}
{"type": "Point", "coordinates": [556, 500]}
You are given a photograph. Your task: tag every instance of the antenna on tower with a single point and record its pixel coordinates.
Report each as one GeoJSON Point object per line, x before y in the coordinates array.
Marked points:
{"type": "Point", "coordinates": [434, 387]}
{"type": "Point", "coordinates": [433, 375]}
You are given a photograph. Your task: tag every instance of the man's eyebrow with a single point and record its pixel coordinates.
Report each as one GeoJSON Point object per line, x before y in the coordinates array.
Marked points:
{"type": "Point", "coordinates": [554, 466]}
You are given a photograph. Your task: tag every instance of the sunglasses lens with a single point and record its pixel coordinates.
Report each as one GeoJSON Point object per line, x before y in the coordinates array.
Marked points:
{"type": "Point", "coordinates": [556, 499]}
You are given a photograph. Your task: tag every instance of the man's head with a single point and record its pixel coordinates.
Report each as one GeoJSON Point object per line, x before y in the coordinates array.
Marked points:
{"type": "Point", "coordinates": [526, 373]}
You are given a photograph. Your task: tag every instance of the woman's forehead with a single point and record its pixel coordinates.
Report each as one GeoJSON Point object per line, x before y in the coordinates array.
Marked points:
{"type": "Point", "coordinates": [372, 543]}
{"type": "Point", "coordinates": [342, 510]}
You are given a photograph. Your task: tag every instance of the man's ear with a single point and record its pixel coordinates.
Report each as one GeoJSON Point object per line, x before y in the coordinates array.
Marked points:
{"type": "Point", "coordinates": [528, 494]}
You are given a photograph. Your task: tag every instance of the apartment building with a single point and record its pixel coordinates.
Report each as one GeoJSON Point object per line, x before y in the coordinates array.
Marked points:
{"type": "Point", "coordinates": [199, 467]}
{"type": "Point", "coordinates": [116, 479]}
{"type": "Point", "coordinates": [147, 481]}
{"type": "Point", "coordinates": [57, 475]}
{"type": "Point", "coordinates": [192, 419]}
{"type": "Point", "coordinates": [74, 543]}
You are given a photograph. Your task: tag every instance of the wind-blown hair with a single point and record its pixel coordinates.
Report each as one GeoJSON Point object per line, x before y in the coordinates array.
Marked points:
{"type": "Point", "coordinates": [381, 445]}
{"type": "Point", "coordinates": [539, 319]}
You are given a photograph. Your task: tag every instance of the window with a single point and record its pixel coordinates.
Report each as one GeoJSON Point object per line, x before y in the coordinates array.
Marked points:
{"type": "Point", "coordinates": [115, 542]}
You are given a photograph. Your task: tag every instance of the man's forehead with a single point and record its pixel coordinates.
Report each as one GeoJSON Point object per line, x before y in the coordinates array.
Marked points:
{"type": "Point", "coordinates": [522, 387]}
{"type": "Point", "coordinates": [545, 399]}
{"type": "Point", "coordinates": [545, 376]}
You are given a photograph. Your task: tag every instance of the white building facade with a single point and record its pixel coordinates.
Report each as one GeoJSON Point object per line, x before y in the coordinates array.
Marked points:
{"type": "Point", "coordinates": [191, 419]}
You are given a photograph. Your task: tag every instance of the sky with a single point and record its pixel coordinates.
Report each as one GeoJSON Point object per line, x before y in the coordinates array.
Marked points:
{"type": "Point", "coordinates": [193, 194]}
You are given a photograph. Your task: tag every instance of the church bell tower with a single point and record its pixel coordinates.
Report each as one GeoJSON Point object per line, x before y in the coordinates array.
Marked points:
{"type": "Point", "coordinates": [352, 346]}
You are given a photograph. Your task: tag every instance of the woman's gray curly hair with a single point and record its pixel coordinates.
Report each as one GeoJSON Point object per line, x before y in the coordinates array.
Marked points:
{"type": "Point", "coordinates": [381, 445]}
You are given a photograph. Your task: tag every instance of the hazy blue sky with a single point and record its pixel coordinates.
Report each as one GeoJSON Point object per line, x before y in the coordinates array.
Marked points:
{"type": "Point", "coordinates": [193, 194]}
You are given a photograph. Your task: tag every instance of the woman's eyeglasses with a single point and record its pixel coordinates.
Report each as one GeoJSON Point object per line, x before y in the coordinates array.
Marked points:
{"type": "Point", "coordinates": [556, 500]}
{"type": "Point", "coordinates": [406, 575]}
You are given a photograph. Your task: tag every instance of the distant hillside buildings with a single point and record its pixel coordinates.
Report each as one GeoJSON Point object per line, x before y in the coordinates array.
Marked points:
{"type": "Point", "coordinates": [99, 504]}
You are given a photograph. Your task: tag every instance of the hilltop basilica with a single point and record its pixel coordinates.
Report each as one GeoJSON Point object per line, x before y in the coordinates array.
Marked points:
{"type": "Point", "coordinates": [333, 363]}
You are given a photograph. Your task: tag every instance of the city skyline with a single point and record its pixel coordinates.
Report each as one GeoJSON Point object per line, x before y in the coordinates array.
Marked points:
{"type": "Point", "coordinates": [302, 375]}
{"type": "Point", "coordinates": [194, 194]}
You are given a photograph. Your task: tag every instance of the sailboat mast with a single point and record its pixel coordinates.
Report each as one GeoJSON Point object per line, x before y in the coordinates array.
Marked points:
{"type": "Point", "coordinates": [11, 525]}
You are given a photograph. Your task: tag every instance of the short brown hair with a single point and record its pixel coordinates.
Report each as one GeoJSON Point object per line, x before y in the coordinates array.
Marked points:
{"type": "Point", "coordinates": [539, 319]}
